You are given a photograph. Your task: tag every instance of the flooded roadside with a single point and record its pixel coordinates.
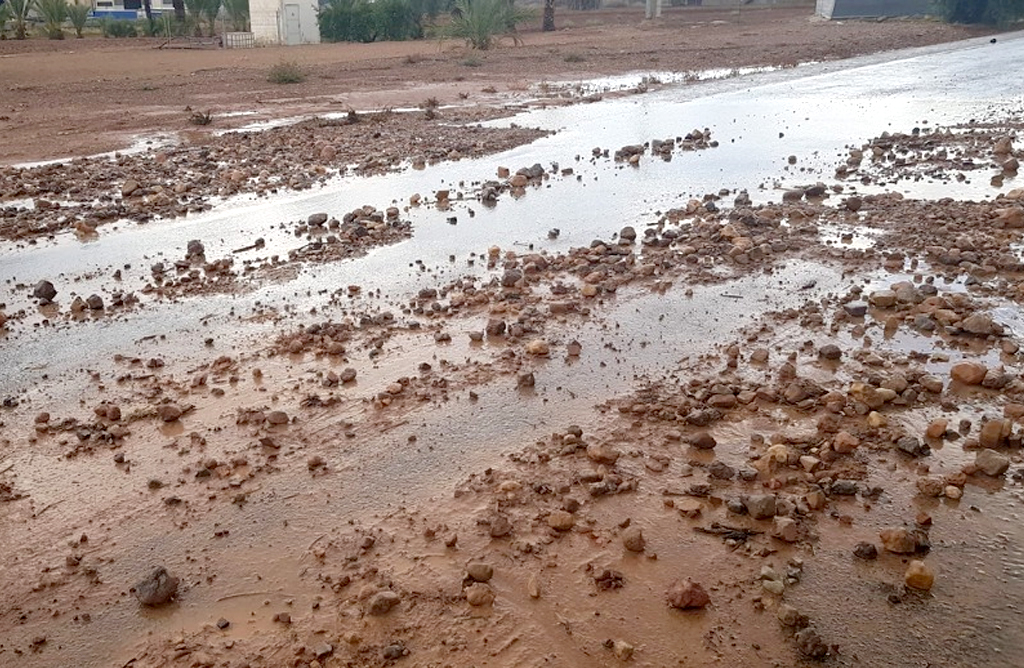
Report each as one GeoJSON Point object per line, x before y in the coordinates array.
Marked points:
{"type": "Point", "coordinates": [287, 525]}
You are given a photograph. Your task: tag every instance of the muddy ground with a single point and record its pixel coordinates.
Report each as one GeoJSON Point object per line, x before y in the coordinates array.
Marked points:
{"type": "Point", "coordinates": [740, 430]}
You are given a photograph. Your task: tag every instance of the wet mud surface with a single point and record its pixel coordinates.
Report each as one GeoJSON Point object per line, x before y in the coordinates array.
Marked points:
{"type": "Point", "coordinates": [708, 388]}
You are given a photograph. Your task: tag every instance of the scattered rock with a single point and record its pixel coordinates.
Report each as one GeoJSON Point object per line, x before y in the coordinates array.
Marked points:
{"type": "Point", "coordinates": [991, 463]}
{"type": "Point", "coordinates": [169, 412]}
{"type": "Point", "coordinates": [919, 576]}
{"type": "Point", "coordinates": [702, 441]}
{"type": "Point", "coordinates": [633, 539]}
{"type": "Point", "coordinates": [687, 595]}
{"type": "Point", "coordinates": [382, 602]}
{"type": "Point", "coordinates": [810, 644]}
{"type": "Point", "coordinates": [479, 594]}
{"type": "Point", "coordinates": [157, 589]}
{"type": "Point", "coordinates": [865, 550]}
{"type": "Point", "coordinates": [560, 520]}
{"type": "Point", "coordinates": [760, 506]}
{"type": "Point", "coordinates": [480, 572]}
{"type": "Point", "coordinates": [44, 291]}
{"type": "Point", "coordinates": [968, 373]}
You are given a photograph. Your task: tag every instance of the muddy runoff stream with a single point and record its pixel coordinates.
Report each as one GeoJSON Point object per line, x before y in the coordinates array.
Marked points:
{"type": "Point", "coordinates": [283, 533]}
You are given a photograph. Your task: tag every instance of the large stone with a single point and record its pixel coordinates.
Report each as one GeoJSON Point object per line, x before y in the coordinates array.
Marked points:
{"type": "Point", "coordinates": [560, 520]}
{"type": "Point", "coordinates": [810, 644]}
{"type": "Point", "coordinates": [919, 576]}
{"type": "Point", "coordinates": [978, 324]}
{"type": "Point", "coordinates": [169, 412]}
{"type": "Point", "coordinates": [602, 453]}
{"type": "Point", "coordinates": [478, 594]}
{"type": "Point", "coordinates": [382, 602]}
{"type": "Point", "coordinates": [158, 588]}
{"type": "Point", "coordinates": [480, 572]}
{"type": "Point", "coordinates": [786, 529]}
{"type": "Point", "coordinates": [687, 595]}
{"type": "Point", "coordinates": [968, 373]}
{"type": "Point", "coordinates": [633, 539]}
{"type": "Point", "coordinates": [991, 463]}
{"type": "Point", "coordinates": [44, 290]}
{"type": "Point", "coordinates": [883, 298]}
{"type": "Point", "coordinates": [702, 441]}
{"type": "Point", "coordinates": [899, 540]}
{"type": "Point", "coordinates": [994, 433]}
{"type": "Point", "coordinates": [760, 506]}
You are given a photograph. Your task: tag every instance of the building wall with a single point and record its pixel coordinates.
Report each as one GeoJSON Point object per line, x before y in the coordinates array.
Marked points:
{"type": "Point", "coordinates": [849, 9]}
{"type": "Point", "coordinates": [265, 19]}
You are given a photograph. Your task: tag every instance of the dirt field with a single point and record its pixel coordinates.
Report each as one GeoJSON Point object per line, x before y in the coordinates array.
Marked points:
{"type": "Point", "coordinates": [79, 97]}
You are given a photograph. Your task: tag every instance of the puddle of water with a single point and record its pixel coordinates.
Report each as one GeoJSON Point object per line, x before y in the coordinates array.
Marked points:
{"type": "Point", "coordinates": [635, 80]}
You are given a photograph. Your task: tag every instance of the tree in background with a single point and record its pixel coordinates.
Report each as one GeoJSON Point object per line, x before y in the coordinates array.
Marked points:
{"type": "Point", "coordinates": [78, 14]}
{"type": "Point", "coordinates": [5, 16]}
{"type": "Point", "coordinates": [238, 12]}
{"type": "Point", "coordinates": [179, 10]}
{"type": "Point", "coordinates": [19, 13]}
{"type": "Point", "coordinates": [482, 22]}
{"type": "Point", "coordinates": [1002, 12]}
{"type": "Point", "coordinates": [54, 13]}
{"type": "Point", "coordinates": [549, 15]}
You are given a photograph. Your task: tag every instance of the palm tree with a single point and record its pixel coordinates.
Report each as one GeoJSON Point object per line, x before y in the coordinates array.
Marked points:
{"type": "Point", "coordinates": [210, 9]}
{"type": "Point", "coordinates": [482, 22]}
{"type": "Point", "coordinates": [5, 16]}
{"type": "Point", "coordinates": [238, 12]}
{"type": "Point", "coordinates": [19, 12]}
{"type": "Point", "coordinates": [54, 13]}
{"type": "Point", "coordinates": [78, 14]}
{"type": "Point", "coordinates": [549, 16]}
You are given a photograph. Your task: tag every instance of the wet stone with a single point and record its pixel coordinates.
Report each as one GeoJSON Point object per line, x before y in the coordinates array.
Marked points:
{"type": "Point", "coordinates": [157, 589]}
{"type": "Point", "coordinates": [844, 488]}
{"type": "Point", "coordinates": [919, 576]}
{"type": "Point", "coordinates": [480, 572]}
{"type": "Point", "coordinates": [45, 291]}
{"type": "Point", "coordinates": [760, 506]}
{"type": "Point", "coordinates": [991, 463]}
{"type": "Point", "coordinates": [633, 539]}
{"type": "Point", "coordinates": [856, 309]}
{"type": "Point", "coordinates": [703, 441]}
{"type": "Point", "coordinates": [810, 644]}
{"type": "Point", "coordinates": [382, 602]}
{"type": "Point", "coordinates": [687, 595]}
{"type": "Point", "coordinates": [865, 550]}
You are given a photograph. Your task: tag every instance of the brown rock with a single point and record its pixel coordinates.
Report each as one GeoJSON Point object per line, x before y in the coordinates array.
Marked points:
{"type": "Point", "coordinates": [968, 373]}
{"type": "Point", "coordinates": [277, 417]}
{"type": "Point", "coordinates": [479, 571]}
{"type": "Point", "coordinates": [633, 539]}
{"type": "Point", "coordinates": [382, 602]}
{"type": "Point", "coordinates": [156, 589]}
{"type": "Point", "coordinates": [994, 433]}
{"type": "Point", "coordinates": [687, 595]}
{"type": "Point", "coordinates": [478, 594]}
{"type": "Point", "coordinates": [169, 412]}
{"type": "Point", "coordinates": [560, 520]}
{"type": "Point", "coordinates": [702, 441]}
{"type": "Point", "coordinates": [602, 453]}
{"type": "Point", "coordinates": [919, 576]}
{"type": "Point", "coordinates": [898, 540]}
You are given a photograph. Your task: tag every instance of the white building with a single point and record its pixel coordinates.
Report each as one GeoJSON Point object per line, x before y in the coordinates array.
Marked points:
{"type": "Point", "coordinates": [285, 22]}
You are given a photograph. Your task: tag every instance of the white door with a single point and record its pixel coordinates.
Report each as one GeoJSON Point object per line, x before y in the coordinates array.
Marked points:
{"type": "Point", "coordinates": [292, 26]}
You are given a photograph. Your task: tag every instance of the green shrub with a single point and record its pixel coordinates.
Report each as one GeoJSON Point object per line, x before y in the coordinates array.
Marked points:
{"type": "Point", "coordinates": [364, 21]}
{"type": "Point", "coordinates": [118, 29]}
{"type": "Point", "coordinates": [482, 22]}
{"type": "Point", "coordinates": [1002, 12]}
{"type": "Point", "coordinates": [286, 72]}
